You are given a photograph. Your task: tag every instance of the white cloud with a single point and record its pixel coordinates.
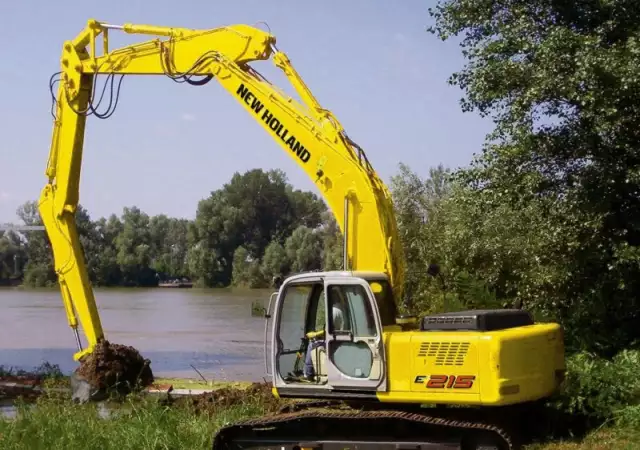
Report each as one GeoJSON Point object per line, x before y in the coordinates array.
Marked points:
{"type": "Point", "coordinates": [188, 117]}
{"type": "Point", "coordinates": [4, 196]}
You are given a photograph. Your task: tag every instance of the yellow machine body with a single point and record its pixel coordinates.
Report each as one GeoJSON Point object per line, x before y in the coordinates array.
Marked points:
{"type": "Point", "coordinates": [473, 358]}
{"type": "Point", "coordinates": [494, 368]}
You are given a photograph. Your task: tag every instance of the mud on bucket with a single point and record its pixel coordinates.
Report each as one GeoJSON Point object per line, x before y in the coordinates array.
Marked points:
{"type": "Point", "coordinates": [110, 369]}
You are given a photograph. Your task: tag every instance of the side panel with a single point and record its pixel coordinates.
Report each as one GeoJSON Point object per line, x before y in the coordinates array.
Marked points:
{"type": "Point", "coordinates": [527, 363]}
{"type": "Point", "coordinates": [490, 368]}
{"type": "Point", "coordinates": [433, 367]}
{"type": "Point", "coordinates": [446, 365]}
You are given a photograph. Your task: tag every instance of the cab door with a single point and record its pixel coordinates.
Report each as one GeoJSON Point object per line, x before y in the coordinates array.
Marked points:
{"type": "Point", "coordinates": [355, 349]}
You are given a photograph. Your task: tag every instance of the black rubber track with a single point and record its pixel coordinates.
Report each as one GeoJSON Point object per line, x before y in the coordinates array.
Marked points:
{"type": "Point", "coordinates": [351, 426]}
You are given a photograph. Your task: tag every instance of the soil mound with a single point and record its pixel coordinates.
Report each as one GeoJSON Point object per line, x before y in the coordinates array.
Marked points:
{"type": "Point", "coordinates": [115, 366]}
{"type": "Point", "coordinates": [211, 402]}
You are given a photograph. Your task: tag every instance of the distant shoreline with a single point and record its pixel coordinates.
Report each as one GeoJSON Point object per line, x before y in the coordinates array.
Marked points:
{"type": "Point", "coordinates": [23, 287]}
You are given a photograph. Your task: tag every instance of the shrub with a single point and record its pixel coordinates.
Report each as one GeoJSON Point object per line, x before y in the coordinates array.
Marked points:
{"type": "Point", "coordinates": [599, 391]}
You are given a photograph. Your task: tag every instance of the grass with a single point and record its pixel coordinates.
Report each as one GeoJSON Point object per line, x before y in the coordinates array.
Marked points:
{"type": "Point", "coordinates": [609, 439]}
{"type": "Point", "coordinates": [139, 422]}
{"type": "Point", "coordinates": [57, 424]}
{"type": "Point", "coordinates": [54, 423]}
{"type": "Point", "coordinates": [188, 383]}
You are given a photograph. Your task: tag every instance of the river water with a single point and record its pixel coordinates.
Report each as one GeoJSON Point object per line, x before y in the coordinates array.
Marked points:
{"type": "Point", "coordinates": [213, 330]}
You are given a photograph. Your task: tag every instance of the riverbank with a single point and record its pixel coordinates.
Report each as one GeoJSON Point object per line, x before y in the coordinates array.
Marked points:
{"type": "Point", "coordinates": [140, 422]}
{"type": "Point", "coordinates": [172, 413]}
{"type": "Point", "coordinates": [51, 420]}
{"type": "Point", "coordinates": [49, 379]}
{"type": "Point", "coordinates": [12, 389]}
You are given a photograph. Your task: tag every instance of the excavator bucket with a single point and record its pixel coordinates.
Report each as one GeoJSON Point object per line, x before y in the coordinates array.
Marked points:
{"type": "Point", "coordinates": [83, 392]}
{"type": "Point", "coordinates": [110, 369]}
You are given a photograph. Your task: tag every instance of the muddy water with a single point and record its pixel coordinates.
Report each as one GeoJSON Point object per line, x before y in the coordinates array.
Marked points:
{"type": "Point", "coordinates": [213, 330]}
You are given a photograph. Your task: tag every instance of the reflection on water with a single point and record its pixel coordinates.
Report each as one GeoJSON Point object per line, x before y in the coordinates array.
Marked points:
{"type": "Point", "coordinates": [9, 410]}
{"type": "Point", "coordinates": [213, 330]}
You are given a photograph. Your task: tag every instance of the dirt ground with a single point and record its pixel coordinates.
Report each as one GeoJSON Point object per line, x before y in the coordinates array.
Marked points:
{"type": "Point", "coordinates": [115, 366]}
{"type": "Point", "coordinates": [211, 402]}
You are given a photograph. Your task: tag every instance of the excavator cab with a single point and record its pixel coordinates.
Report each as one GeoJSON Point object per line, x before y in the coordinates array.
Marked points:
{"type": "Point", "coordinates": [328, 333]}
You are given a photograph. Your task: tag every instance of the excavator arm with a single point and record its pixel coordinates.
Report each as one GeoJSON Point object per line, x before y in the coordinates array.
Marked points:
{"type": "Point", "coordinates": [310, 134]}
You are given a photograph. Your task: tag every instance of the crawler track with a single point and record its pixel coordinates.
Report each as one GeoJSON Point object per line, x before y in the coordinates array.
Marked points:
{"type": "Point", "coordinates": [358, 430]}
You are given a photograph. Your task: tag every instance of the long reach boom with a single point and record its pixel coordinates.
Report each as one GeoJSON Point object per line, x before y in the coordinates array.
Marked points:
{"type": "Point", "coordinates": [310, 134]}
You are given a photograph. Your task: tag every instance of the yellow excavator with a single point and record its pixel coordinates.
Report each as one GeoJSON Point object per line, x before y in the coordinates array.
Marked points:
{"type": "Point", "coordinates": [452, 380]}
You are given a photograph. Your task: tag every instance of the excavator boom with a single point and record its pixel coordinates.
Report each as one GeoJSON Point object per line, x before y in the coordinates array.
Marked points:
{"type": "Point", "coordinates": [310, 134]}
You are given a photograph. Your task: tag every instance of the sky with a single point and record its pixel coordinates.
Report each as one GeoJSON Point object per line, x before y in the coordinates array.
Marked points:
{"type": "Point", "coordinates": [169, 145]}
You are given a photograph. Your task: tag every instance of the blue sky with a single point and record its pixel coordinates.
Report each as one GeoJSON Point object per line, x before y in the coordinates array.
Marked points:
{"type": "Point", "coordinates": [169, 145]}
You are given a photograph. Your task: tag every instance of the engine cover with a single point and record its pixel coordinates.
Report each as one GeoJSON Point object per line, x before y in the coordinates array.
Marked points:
{"type": "Point", "coordinates": [493, 357]}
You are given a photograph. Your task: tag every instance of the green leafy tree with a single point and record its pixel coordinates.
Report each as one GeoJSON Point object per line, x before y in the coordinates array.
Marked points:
{"type": "Point", "coordinates": [169, 245]}
{"type": "Point", "coordinates": [332, 243]}
{"type": "Point", "coordinates": [246, 224]}
{"type": "Point", "coordinates": [303, 249]}
{"type": "Point", "coordinates": [246, 270]}
{"type": "Point", "coordinates": [134, 248]}
{"type": "Point", "coordinates": [241, 264]}
{"type": "Point", "coordinates": [204, 264]}
{"type": "Point", "coordinates": [91, 243]}
{"type": "Point", "coordinates": [107, 270]}
{"type": "Point", "coordinates": [275, 262]}
{"type": "Point", "coordinates": [39, 270]}
{"type": "Point", "coordinates": [560, 80]}
{"type": "Point", "coordinates": [252, 210]}
{"type": "Point", "coordinates": [13, 257]}
{"type": "Point", "coordinates": [422, 219]}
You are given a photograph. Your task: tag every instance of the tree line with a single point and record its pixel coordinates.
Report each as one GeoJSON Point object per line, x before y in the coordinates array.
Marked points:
{"type": "Point", "coordinates": [491, 252]}
{"type": "Point", "coordinates": [254, 228]}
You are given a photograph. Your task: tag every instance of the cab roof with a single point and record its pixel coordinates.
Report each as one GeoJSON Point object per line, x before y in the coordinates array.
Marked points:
{"type": "Point", "coordinates": [367, 275]}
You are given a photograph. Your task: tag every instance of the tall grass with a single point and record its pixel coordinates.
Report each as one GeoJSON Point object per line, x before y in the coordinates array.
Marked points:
{"type": "Point", "coordinates": [55, 423]}
{"type": "Point", "coordinates": [609, 439]}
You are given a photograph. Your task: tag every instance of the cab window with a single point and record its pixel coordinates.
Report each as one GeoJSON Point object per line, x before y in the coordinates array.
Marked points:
{"type": "Point", "coordinates": [351, 310]}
